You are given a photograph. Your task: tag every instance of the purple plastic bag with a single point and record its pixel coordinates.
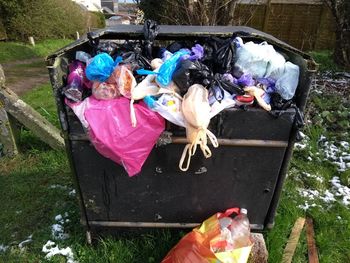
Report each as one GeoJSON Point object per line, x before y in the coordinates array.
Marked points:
{"type": "Point", "coordinates": [267, 82]}
{"type": "Point", "coordinates": [246, 80]}
{"type": "Point", "coordinates": [197, 52]}
{"type": "Point", "coordinates": [230, 78]}
{"type": "Point", "coordinates": [113, 136]}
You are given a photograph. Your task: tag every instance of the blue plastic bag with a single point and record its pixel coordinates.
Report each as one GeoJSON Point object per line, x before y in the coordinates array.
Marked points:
{"type": "Point", "coordinates": [166, 70]}
{"type": "Point", "coordinates": [101, 67]}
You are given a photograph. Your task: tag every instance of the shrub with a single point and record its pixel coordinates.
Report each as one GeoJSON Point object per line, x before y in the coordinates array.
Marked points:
{"type": "Point", "coordinates": [44, 19]}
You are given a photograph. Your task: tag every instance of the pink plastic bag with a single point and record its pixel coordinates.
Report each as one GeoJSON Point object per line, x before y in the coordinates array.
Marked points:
{"type": "Point", "coordinates": [113, 136]}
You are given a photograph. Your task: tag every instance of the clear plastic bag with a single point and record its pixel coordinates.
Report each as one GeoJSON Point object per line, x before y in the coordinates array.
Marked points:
{"type": "Point", "coordinates": [104, 90]}
{"type": "Point", "coordinates": [124, 79]}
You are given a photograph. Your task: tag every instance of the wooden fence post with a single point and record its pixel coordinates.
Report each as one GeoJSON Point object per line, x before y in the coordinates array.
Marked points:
{"type": "Point", "coordinates": [7, 137]}
{"type": "Point", "coordinates": [267, 15]}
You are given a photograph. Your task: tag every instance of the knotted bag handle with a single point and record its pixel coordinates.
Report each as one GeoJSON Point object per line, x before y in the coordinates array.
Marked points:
{"type": "Point", "coordinates": [191, 148]}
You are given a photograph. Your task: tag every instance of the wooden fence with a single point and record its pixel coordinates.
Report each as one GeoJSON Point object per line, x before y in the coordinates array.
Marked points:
{"type": "Point", "coordinates": [304, 24]}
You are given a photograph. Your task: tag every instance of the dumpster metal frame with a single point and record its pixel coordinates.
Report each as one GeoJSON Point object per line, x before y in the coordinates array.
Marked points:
{"type": "Point", "coordinates": [57, 66]}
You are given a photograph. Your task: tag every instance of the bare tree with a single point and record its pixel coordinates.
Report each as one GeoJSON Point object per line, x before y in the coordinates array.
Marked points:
{"type": "Point", "coordinates": [341, 13]}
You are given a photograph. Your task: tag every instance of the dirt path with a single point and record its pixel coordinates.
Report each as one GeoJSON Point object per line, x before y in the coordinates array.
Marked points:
{"type": "Point", "coordinates": [25, 75]}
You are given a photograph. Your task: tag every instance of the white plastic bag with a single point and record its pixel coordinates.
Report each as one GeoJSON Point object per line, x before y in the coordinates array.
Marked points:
{"type": "Point", "coordinates": [169, 107]}
{"type": "Point", "coordinates": [196, 110]}
{"type": "Point", "coordinates": [225, 103]}
{"type": "Point", "coordinates": [260, 60]}
{"type": "Point", "coordinates": [288, 82]}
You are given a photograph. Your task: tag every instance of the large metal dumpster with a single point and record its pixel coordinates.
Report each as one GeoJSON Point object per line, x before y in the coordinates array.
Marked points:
{"type": "Point", "coordinates": [247, 170]}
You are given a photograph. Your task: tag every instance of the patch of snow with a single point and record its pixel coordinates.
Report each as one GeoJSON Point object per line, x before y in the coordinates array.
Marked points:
{"type": "Point", "coordinates": [302, 135]}
{"type": "Point", "coordinates": [316, 177]}
{"type": "Point", "coordinates": [341, 190]}
{"type": "Point", "coordinates": [58, 186]}
{"type": "Point", "coordinates": [309, 193]}
{"type": "Point", "coordinates": [25, 242]}
{"type": "Point", "coordinates": [328, 197]}
{"type": "Point", "coordinates": [59, 218]}
{"type": "Point", "coordinates": [299, 146]}
{"type": "Point", "coordinates": [345, 144]}
{"type": "Point", "coordinates": [57, 230]}
{"type": "Point", "coordinates": [337, 155]}
{"type": "Point", "coordinates": [3, 248]}
{"type": "Point", "coordinates": [51, 250]}
{"type": "Point", "coordinates": [322, 138]}
{"type": "Point", "coordinates": [72, 193]}
{"type": "Point", "coordinates": [306, 206]}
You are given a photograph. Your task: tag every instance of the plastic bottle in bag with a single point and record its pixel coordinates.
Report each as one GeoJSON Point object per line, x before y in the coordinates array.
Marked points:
{"type": "Point", "coordinates": [240, 230]}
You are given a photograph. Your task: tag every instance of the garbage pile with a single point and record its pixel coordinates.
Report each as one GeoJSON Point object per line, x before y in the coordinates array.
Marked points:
{"type": "Point", "coordinates": [123, 92]}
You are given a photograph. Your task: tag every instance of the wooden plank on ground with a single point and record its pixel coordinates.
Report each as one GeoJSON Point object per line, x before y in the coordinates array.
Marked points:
{"type": "Point", "coordinates": [293, 240]}
{"type": "Point", "coordinates": [311, 244]}
{"type": "Point", "coordinates": [26, 115]}
{"type": "Point", "coordinates": [7, 138]}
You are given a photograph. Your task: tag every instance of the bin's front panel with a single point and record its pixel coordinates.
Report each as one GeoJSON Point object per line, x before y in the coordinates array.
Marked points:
{"type": "Point", "coordinates": [233, 176]}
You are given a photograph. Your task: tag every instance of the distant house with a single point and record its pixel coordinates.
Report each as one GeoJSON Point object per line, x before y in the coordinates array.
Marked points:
{"type": "Point", "coordinates": [90, 5]}
{"type": "Point", "coordinates": [120, 7]}
{"type": "Point", "coordinates": [109, 5]}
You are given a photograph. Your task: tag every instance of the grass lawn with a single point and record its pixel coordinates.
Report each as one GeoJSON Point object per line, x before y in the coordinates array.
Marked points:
{"type": "Point", "coordinates": [36, 187]}
{"type": "Point", "coordinates": [11, 51]}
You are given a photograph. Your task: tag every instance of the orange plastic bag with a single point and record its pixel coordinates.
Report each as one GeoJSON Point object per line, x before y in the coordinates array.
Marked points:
{"type": "Point", "coordinates": [195, 246]}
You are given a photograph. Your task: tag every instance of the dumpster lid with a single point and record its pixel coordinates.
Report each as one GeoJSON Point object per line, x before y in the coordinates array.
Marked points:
{"type": "Point", "coordinates": [168, 32]}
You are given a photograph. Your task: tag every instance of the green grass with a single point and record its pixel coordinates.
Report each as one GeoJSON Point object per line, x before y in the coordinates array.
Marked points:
{"type": "Point", "coordinates": [30, 203]}
{"type": "Point", "coordinates": [42, 100]}
{"type": "Point", "coordinates": [11, 51]}
{"type": "Point", "coordinates": [325, 60]}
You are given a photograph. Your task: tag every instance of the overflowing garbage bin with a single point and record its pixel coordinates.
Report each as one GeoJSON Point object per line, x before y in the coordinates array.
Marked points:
{"type": "Point", "coordinates": [255, 142]}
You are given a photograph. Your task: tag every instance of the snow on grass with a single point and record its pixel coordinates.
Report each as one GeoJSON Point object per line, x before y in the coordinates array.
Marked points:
{"type": "Point", "coordinates": [71, 192]}
{"type": "Point", "coordinates": [313, 176]}
{"type": "Point", "coordinates": [300, 145]}
{"type": "Point", "coordinates": [340, 190]}
{"type": "Point", "coordinates": [22, 245]}
{"type": "Point", "coordinates": [57, 230]}
{"type": "Point", "coordinates": [3, 248]}
{"type": "Point", "coordinates": [58, 186]}
{"type": "Point", "coordinates": [51, 249]}
{"type": "Point", "coordinates": [338, 155]}
{"type": "Point", "coordinates": [303, 143]}
{"type": "Point", "coordinates": [306, 206]}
